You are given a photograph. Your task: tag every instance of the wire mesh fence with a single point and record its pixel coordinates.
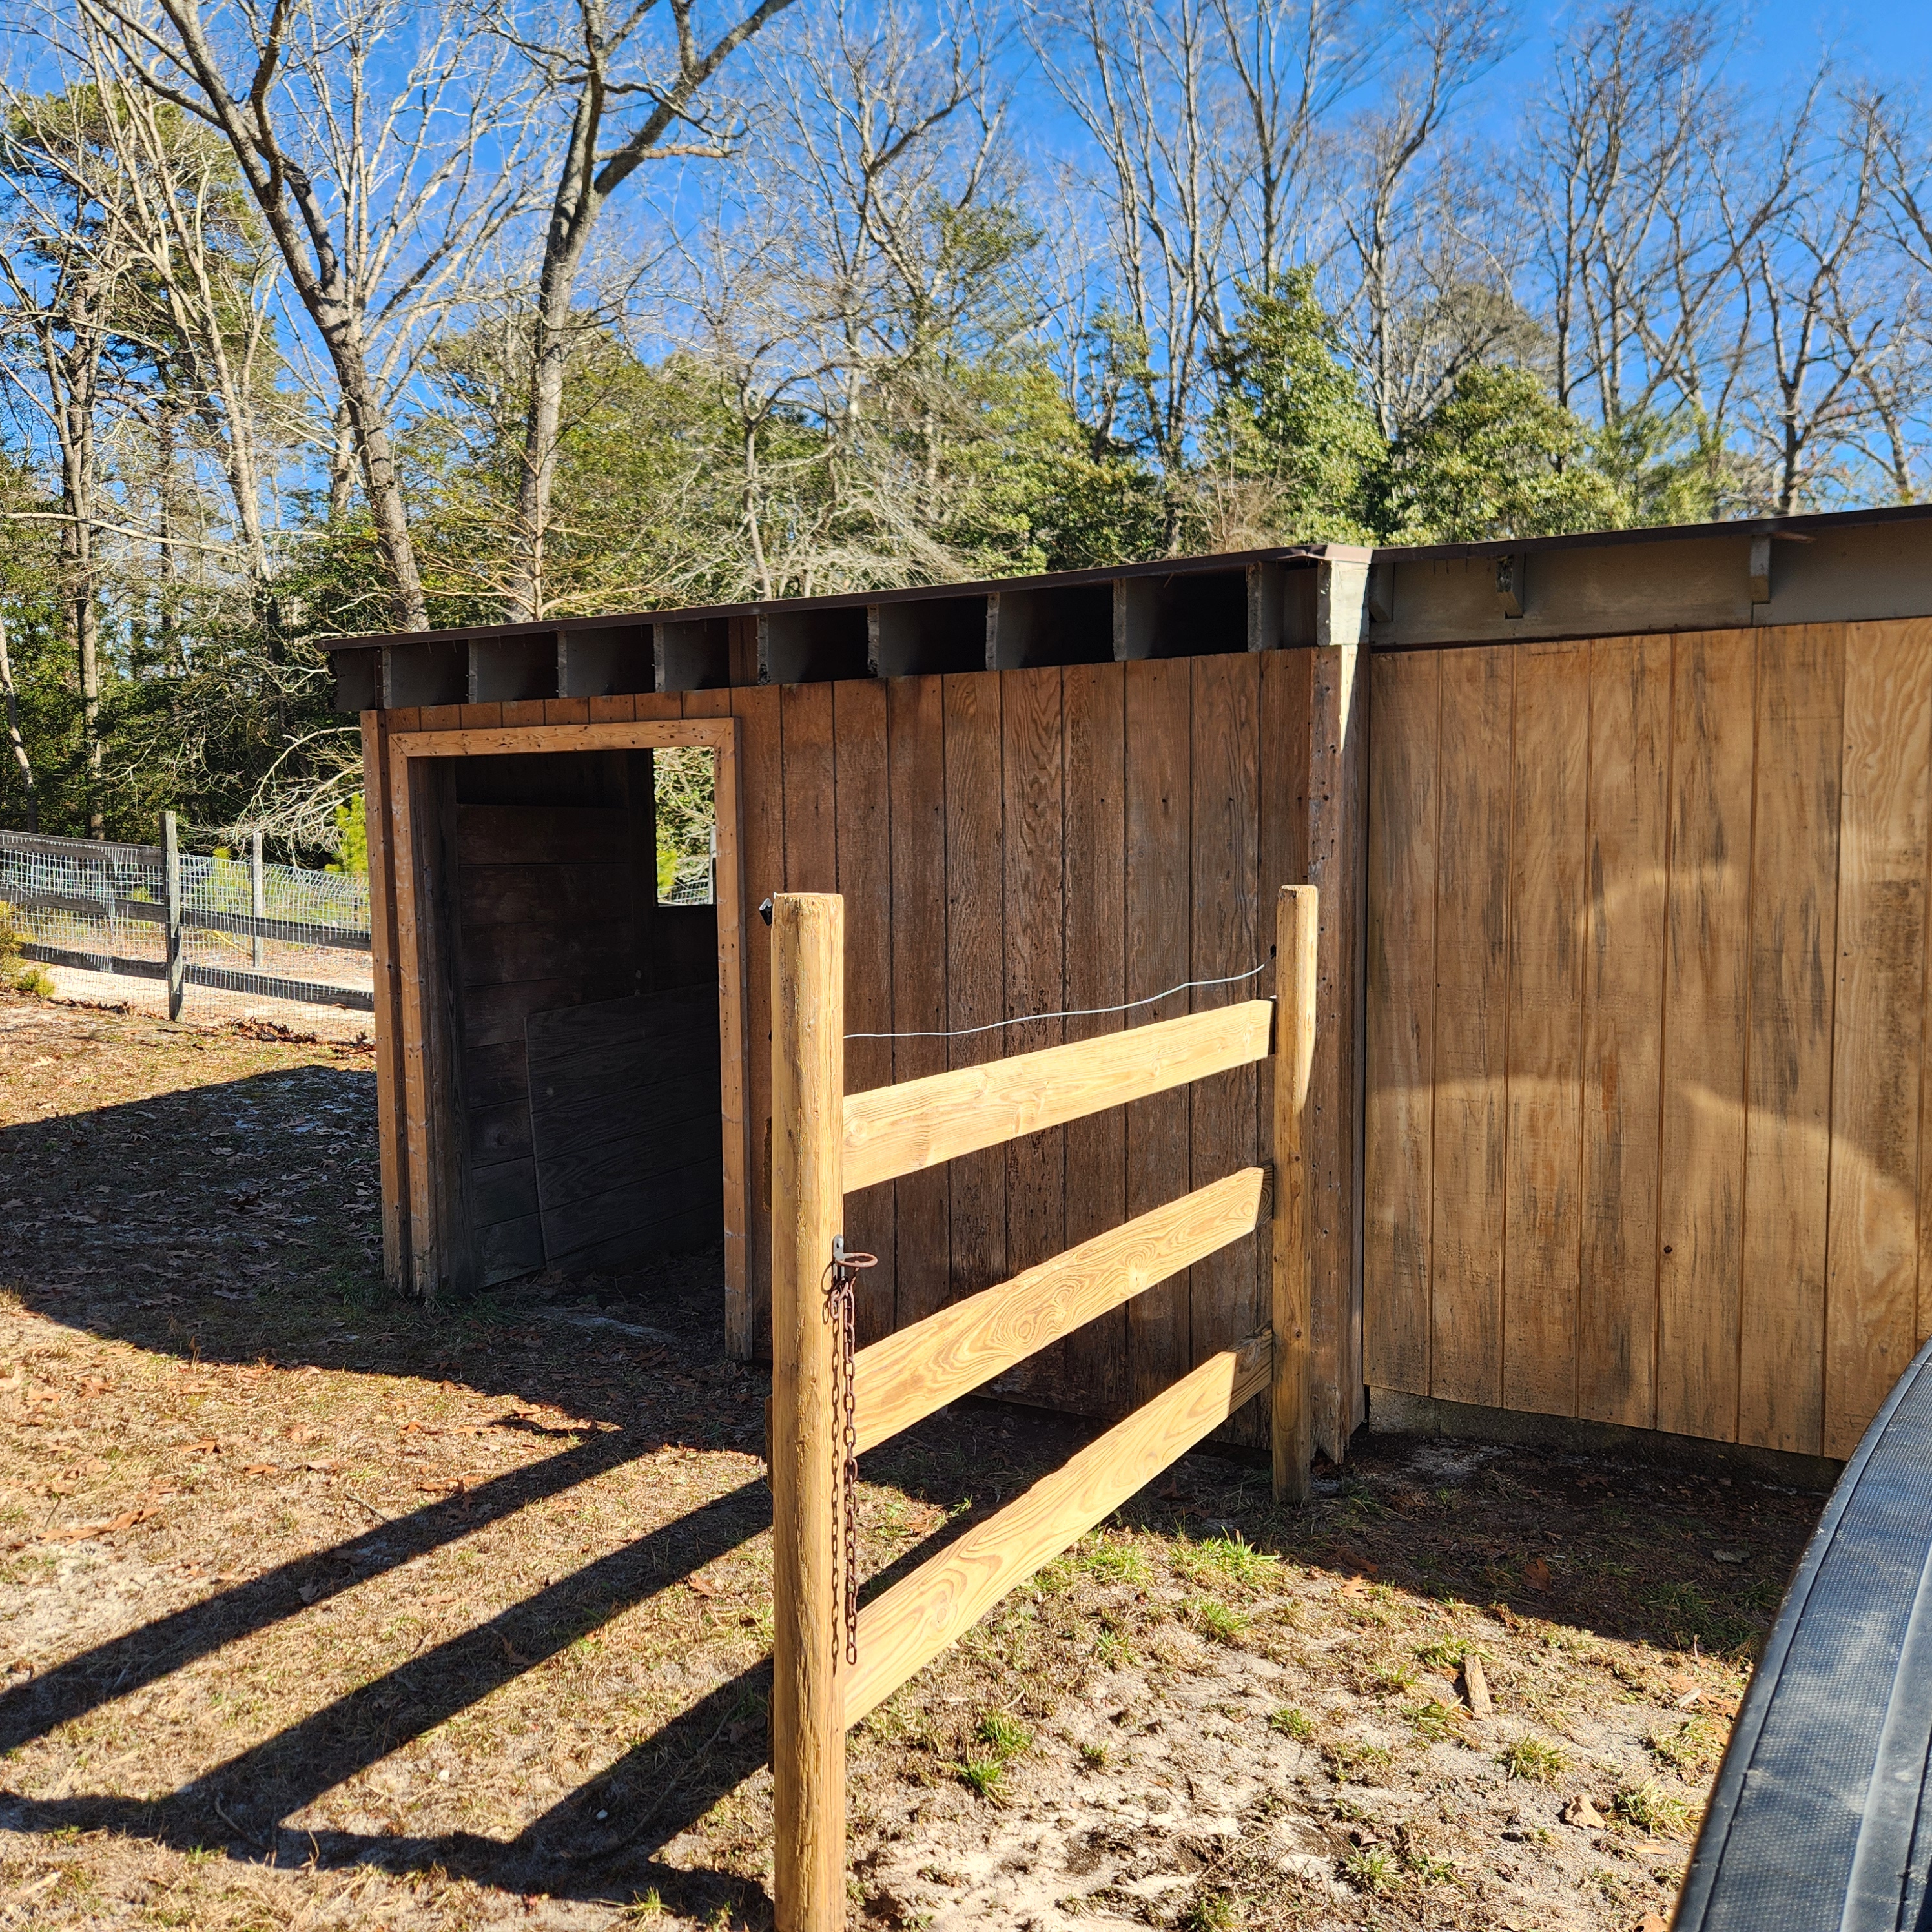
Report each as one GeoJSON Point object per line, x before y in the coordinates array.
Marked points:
{"type": "Point", "coordinates": [248, 928]}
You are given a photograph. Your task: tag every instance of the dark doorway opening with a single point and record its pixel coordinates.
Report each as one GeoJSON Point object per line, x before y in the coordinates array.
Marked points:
{"type": "Point", "coordinates": [585, 1017]}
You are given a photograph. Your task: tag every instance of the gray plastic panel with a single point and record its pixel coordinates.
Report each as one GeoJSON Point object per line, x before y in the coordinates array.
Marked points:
{"type": "Point", "coordinates": [1819, 1816]}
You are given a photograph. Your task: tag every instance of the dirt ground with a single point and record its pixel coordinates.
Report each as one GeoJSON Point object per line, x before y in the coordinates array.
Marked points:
{"type": "Point", "coordinates": [316, 1611]}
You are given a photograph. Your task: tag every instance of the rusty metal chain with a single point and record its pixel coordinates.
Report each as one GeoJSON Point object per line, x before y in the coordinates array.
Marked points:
{"type": "Point", "coordinates": [840, 1302]}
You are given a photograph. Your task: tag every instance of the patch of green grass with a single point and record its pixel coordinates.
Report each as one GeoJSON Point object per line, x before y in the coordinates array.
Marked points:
{"type": "Point", "coordinates": [646, 1908]}
{"type": "Point", "coordinates": [1093, 1756]}
{"type": "Point", "coordinates": [1654, 1808]}
{"type": "Point", "coordinates": [1425, 1867]}
{"type": "Point", "coordinates": [1212, 1912]}
{"type": "Point", "coordinates": [1112, 1560]}
{"type": "Point", "coordinates": [1217, 1620]}
{"type": "Point", "coordinates": [1390, 1678]}
{"type": "Point", "coordinates": [1292, 1723]}
{"type": "Point", "coordinates": [1534, 1758]}
{"type": "Point", "coordinates": [1229, 1559]}
{"type": "Point", "coordinates": [985, 1777]}
{"type": "Point", "coordinates": [1002, 1737]}
{"type": "Point", "coordinates": [1685, 1617]}
{"type": "Point", "coordinates": [1444, 1655]}
{"type": "Point", "coordinates": [1112, 1652]}
{"type": "Point", "coordinates": [1005, 1733]}
{"type": "Point", "coordinates": [1369, 1868]}
{"type": "Point", "coordinates": [1691, 1750]}
{"type": "Point", "coordinates": [1438, 1722]}
{"type": "Point", "coordinates": [1351, 1761]}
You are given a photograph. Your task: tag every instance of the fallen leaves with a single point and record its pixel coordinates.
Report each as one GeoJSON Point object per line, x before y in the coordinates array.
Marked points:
{"type": "Point", "coordinates": [1581, 1813]}
{"type": "Point", "coordinates": [84, 1532]}
{"type": "Point", "coordinates": [1536, 1575]}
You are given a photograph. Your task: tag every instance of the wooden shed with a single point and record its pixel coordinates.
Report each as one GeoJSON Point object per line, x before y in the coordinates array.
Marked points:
{"type": "Point", "coordinates": [1622, 845]}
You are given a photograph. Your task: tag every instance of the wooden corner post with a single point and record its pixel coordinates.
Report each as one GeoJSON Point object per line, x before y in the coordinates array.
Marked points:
{"type": "Point", "coordinates": [808, 1210]}
{"type": "Point", "coordinates": [1291, 1421]}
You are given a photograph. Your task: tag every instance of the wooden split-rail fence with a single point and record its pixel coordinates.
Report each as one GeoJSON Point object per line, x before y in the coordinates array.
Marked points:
{"type": "Point", "coordinates": [833, 1662]}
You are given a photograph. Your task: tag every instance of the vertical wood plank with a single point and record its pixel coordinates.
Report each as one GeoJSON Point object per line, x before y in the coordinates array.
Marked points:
{"type": "Point", "coordinates": [1467, 1194]}
{"type": "Point", "coordinates": [922, 1203]}
{"type": "Point", "coordinates": [1623, 989]}
{"type": "Point", "coordinates": [1543, 1156]}
{"type": "Point", "coordinates": [1292, 1425]}
{"type": "Point", "coordinates": [406, 825]}
{"type": "Point", "coordinates": [1092, 697]}
{"type": "Point", "coordinates": [1707, 940]}
{"type": "Point", "coordinates": [811, 831]}
{"type": "Point", "coordinates": [391, 1156]}
{"type": "Point", "coordinates": [1287, 678]}
{"type": "Point", "coordinates": [1337, 855]}
{"type": "Point", "coordinates": [1800, 707]}
{"type": "Point", "coordinates": [761, 819]}
{"type": "Point", "coordinates": [863, 818]}
{"type": "Point", "coordinates": [1226, 936]}
{"type": "Point", "coordinates": [1033, 851]}
{"type": "Point", "coordinates": [734, 915]}
{"type": "Point", "coordinates": [807, 1002]}
{"type": "Point", "coordinates": [1876, 1068]}
{"type": "Point", "coordinates": [975, 972]}
{"type": "Point", "coordinates": [1159, 851]}
{"type": "Point", "coordinates": [1406, 703]}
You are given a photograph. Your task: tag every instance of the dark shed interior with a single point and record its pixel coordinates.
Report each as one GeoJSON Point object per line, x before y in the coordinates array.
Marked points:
{"type": "Point", "coordinates": [585, 1017]}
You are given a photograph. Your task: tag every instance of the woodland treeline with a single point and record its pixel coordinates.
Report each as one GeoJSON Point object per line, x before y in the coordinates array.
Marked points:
{"type": "Point", "coordinates": [326, 316]}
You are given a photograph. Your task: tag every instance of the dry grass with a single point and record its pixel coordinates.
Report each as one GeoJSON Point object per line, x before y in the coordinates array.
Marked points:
{"type": "Point", "coordinates": [318, 1610]}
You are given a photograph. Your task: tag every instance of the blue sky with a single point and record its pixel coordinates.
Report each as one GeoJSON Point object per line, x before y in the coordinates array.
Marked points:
{"type": "Point", "coordinates": [1780, 42]}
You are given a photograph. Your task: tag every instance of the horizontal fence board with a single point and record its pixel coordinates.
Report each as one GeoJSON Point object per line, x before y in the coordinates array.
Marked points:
{"type": "Point", "coordinates": [145, 912]}
{"type": "Point", "coordinates": [904, 1630]}
{"type": "Point", "coordinates": [217, 979]}
{"type": "Point", "coordinates": [908, 1375]}
{"type": "Point", "coordinates": [703, 733]}
{"type": "Point", "coordinates": [269, 986]}
{"type": "Point", "coordinates": [898, 1130]}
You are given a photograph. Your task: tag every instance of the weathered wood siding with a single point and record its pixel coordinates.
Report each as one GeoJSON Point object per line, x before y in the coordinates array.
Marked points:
{"type": "Point", "coordinates": [1030, 842]}
{"type": "Point", "coordinates": [1646, 1005]}
{"type": "Point", "coordinates": [1034, 842]}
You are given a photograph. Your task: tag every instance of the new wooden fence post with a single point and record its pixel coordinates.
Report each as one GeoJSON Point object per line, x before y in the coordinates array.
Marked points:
{"type": "Point", "coordinates": [808, 1211]}
{"type": "Point", "coordinates": [1292, 1420]}
{"type": "Point", "coordinates": [171, 908]}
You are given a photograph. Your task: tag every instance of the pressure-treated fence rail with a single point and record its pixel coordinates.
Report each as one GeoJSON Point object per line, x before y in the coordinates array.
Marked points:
{"type": "Point", "coordinates": [825, 1145]}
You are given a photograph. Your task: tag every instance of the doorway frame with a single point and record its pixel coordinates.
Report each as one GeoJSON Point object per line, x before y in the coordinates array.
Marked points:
{"type": "Point", "coordinates": [425, 1145]}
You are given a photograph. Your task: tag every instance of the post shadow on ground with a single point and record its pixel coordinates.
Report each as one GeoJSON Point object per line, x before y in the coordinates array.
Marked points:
{"type": "Point", "coordinates": [653, 1793]}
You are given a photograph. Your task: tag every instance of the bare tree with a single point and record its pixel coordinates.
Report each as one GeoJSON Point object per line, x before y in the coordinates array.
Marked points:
{"type": "Point", "coordinates": [383, 167]}
{"type": "Point", "coordinates": [866, 254]}
{"type": "Point", "coordinates": [1205, 119]}
{"type": "Point", "coordinates": [1286, 66]}
{"type": "Point", "coordinates": [1647, 188]}
{"type": "Point", "coordinates": [1826, 308]}
{"type": "Point", "coordinates": [629, 101]}
{"type": "Point", "coordinates": [1456, 42]}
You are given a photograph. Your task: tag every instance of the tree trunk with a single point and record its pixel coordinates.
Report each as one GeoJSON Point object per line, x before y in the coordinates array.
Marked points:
{"type": "Point", "coordinates": [381, 479]}
{"type": "Point", "coordinates": [573, 214]}
{"type": "Point", "coordinates": [14, 738]}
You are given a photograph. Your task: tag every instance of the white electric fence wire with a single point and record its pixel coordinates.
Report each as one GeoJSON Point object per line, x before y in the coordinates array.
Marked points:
{"type": "Point", "coordinates": [1072, 1013]}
